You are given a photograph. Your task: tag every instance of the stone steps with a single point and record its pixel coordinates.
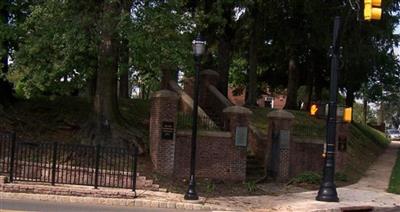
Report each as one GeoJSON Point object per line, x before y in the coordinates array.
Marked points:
{"type": "Point", "coordinates": [254, 169]}
{"type": "Point", "coordinates": [214, 116]}
{"type": "Point", "coordinates": [146, 184]}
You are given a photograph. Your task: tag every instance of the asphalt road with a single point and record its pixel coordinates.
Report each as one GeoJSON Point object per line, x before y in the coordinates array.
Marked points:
{"type": "Point", "coordinates": [29, 205]}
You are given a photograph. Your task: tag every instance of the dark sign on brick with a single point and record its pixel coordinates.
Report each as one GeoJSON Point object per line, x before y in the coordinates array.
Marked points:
{"type": "Point", "coordinates": [167, 130]}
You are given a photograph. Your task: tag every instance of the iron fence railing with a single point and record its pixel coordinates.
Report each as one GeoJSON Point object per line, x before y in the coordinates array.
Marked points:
{"type": "Point", "coordinates": [56, 163]}
{"type": "Point", "coordinates": [5, 150]}
{"type": "Point", "coordinates": [203, 122]}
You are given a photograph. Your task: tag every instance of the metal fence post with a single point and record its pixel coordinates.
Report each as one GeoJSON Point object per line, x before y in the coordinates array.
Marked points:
{"type": "Point", "coordinates": [11, 165]}
{"type": "Point", "coordinates": [134, 169]}
{"type": "Point", "coordinates": [54, 163]}
{"type": "Point", "coordinates": [97, 164]}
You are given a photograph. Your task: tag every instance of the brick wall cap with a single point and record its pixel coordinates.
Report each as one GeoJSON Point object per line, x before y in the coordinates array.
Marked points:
{"type": "Point", "coordinates": [308, 140]}
{"type": "Point", "coordinates": [238, 110]}
{"type": "Point", "coordinates": [280, 114]}
{"type": "Point", "coordinates": [209, 72]}
{"type": "Point", "coordinates": [165, 94]}
{"type": "Point", "coordinates": [220, 134]}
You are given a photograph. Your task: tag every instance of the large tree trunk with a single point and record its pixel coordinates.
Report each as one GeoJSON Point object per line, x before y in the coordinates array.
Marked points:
{"type": "Point", "coordinates": [291, 99]}
{"type": "Point", "coordinates": [381, 114]}
{"type": "Point", "coordinates": [224, 62]}
{"type": "Point", "coordinates": [6, 88]}
{"type": "Point", "coordinates": [251, 99]}
{"type": "Point", "coordinates": [310, 87]}
{"type": "Point", "coordinates": [105, 101]}
{"type": "Point", "coordinates": [225, 49]}
{"type": "Point", "coordinates": [365, 110]}
{"type": "Point", "coordinates": [91, 86]}
{"type": "Point", "coordinates": [124, 70]}
{"type": "Point", "coordinates": [110, 127]}
{"type": "Point", "coordinates": [350, 98]}
{"type": "Point", "coordinates": [124, 56]}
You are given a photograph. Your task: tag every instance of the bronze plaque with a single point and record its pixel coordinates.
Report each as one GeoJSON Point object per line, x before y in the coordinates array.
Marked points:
{"type": "Point", "coordinates": [241, 136]}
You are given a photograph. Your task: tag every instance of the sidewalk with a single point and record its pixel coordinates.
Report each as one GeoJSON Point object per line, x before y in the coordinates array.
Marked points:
{"type": "Point", "coordinates": [368, 193]}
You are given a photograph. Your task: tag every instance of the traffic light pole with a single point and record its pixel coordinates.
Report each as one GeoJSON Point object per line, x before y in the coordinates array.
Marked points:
{"type": "Point", "coordinates": [327, 191]}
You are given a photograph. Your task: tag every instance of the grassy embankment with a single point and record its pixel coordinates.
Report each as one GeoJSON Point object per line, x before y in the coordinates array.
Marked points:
{"type": "Point", "coordinates": [63, 119]}
{"type": "Point", "coordinates": [394, 185]}
{"type": "Point", "coordinates": [364, 144]}
{"type": "Point", "coordinates": [303, 126]}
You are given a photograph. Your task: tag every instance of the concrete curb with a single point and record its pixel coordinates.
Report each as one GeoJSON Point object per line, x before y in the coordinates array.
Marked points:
{"type": "Point", "coordinates": [143, 203]}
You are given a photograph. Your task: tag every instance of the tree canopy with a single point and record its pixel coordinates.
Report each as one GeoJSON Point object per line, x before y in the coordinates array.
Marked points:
{"type": "Point", "coordinates": [92, 48]}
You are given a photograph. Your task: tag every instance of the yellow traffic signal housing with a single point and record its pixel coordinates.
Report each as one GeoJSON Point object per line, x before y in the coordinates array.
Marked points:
{"type": "Point", "coordinates": [372, 10]}
{"type": "Point", "coordinates": [313, 110]}
{"type": "Point", "coordinates": [348, 114]}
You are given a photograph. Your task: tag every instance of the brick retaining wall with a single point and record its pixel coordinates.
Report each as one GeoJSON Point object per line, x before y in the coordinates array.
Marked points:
{"type": "Point", "coordinates": [213, 150]}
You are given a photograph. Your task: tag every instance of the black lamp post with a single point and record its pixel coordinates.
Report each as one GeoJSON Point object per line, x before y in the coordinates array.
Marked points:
{"type": "Point", "coordinates": [199, 46]}
{"type": "Point", "coordinates": [327, 191]}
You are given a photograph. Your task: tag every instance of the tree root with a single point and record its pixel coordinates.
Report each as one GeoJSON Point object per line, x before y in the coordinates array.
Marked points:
{"type": "Point", "coordinates": [115, 134]}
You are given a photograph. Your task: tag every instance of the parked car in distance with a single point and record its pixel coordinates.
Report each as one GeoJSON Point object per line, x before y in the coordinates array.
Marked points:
{"type": "Point", "coordinates": [393, 134]}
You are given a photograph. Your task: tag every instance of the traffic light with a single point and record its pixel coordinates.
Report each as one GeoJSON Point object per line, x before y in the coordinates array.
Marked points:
{"type": "Point", "coordinates": [313, 110]}
{"type": "Point", "coordinates": [348, 114]}
{"type": "Point", "coordinates": [372, 10]}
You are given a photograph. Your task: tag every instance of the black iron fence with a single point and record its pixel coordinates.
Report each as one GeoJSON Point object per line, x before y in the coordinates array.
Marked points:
{"type": "Point", "coordinates": [203, 122]}
{"type": "Point", "coordinates": [56, 163]}
{"type": "Point", "coordinates": [5, 150]}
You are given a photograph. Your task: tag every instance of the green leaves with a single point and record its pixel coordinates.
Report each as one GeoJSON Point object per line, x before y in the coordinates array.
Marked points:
{"type": "Point", "coordinates": [59, 49]}
{"type": "Point", "coordinates": [160, 35]}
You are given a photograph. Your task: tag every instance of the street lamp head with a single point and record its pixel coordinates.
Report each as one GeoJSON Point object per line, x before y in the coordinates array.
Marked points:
{"type": "Point", "coordinates": [199, 46]}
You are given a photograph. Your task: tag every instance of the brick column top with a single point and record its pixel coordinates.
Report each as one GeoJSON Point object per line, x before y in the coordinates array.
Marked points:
{"type": "Point", "coordinates": [165, 94]}
{"type": "Point", "coordinates": [238, 110]}
{"type": "Point", "coordinates": [280, 114]}
{"type": "Point", "coordinates": [210, 72]}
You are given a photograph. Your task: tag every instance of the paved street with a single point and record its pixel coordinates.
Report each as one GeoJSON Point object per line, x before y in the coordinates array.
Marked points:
{"type": "Point", "coordinates": [29, 205]}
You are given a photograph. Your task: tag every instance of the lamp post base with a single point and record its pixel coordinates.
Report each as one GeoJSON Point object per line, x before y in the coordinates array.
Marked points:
{"type": "Point", "coordinates": [191, 194]}
{"type": "Point", "coordinates": [327, 193]}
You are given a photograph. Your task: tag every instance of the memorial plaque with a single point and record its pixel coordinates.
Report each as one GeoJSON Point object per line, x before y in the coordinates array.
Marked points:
{"type": "Point", "coordinates": [284, 139]}
{"type": "Point", "coordinates": [167, 130]}
{"type": "Point", "coordinates": [241, 136]}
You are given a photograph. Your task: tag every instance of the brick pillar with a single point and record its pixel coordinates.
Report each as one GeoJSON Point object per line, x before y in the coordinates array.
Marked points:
{"type": "Point", "coordinates": [188, 86]}
{"type": "Point", "coordinates": [163, 121]}
{"type": "Point", "coordinates": [168, 74]}
{"type": "Point", "coordinates": [207, 77]}
{"type": "Point", "coordinates": [237, 122]}
{"type": "Point", "coordinates": [279, 133]}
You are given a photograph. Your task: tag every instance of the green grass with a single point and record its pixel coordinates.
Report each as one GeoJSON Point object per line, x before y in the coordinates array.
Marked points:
{"type": "Point", "coordinates": [394, 185]}
{"type": "Point", "coordinates": [303, 126]}
{"type": "Point", "coordinates": [307, 177]}
{"type": "Point", "coordinates": [185, 122]}
{"type": "Point", "coordinates": [314, 178]}
{"type": "Point", "coordinates": [375, 136]}
{"type": "Point", "coordinates": [259, 118]}
{"type": "Point", "coordinates": [306, 126]}
{"type": "Point", "coordinates": [364, 145]}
